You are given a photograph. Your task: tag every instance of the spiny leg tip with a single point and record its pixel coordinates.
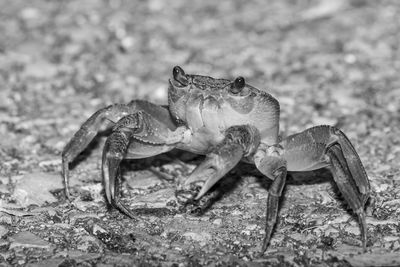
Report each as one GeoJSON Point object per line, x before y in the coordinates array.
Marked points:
{"type": "Point", "coordinates": [67, 194]}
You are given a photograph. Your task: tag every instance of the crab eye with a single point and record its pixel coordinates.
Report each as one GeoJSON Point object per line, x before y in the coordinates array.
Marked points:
{"type": "Point", "coordinates": [237, 85]}
{"type": "Point", "coordinates": [180, 76]}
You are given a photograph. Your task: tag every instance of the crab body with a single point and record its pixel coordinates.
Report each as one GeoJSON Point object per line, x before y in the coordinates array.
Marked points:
{"type": "Point", "coordinates": [228, 121]}
{"type": "Point", "coordinates": [208, 107]}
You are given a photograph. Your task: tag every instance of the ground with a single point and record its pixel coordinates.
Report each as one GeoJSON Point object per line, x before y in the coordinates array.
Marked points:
{"type": "Point", "coordinates": [328, 62]}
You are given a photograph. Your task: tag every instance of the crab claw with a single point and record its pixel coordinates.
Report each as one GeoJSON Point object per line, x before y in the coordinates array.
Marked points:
{"type": "Point", "coordinates": [209, 172]}
{"type": "Point", "coordinates": [239, 142]}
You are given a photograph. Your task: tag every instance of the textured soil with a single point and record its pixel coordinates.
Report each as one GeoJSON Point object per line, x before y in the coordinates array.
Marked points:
{"type": "Point", "coordinates": [327, 62]}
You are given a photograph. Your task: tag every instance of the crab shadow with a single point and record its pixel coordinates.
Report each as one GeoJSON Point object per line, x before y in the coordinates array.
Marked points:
{"type": "Point", "coordinates": [231, 182]}
{"type": "Point", "coordinates": [227, 185]}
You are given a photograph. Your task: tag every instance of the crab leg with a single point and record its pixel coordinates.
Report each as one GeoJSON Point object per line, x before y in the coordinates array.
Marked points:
{"type": "Point", "coordinates": [102, 119]}
{"type": "Point", "coordinates": [239, 142]}
{"type": "Point", "coordinates": [134, 136]}
{"type": "Point", "coordinates": [269, 161]}
{"type": "Point", "coordinates": [325, 146]}
{"type": "Point", "coordinates": [85, 135]}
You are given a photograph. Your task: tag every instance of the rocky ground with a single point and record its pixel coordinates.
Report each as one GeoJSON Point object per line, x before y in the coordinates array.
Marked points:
{"type": "Point", "coordinates": [328, 62]}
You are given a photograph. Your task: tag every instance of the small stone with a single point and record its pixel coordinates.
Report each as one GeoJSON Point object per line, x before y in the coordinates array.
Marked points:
{"type": "Point", "coordinates": [390, 238]}
{"type": "Point", "coordinates": [48, 262]}
{"type": "Point", "coordinates": [387, 245]}
{"type": "Point", "coordinates": [78, 256]}
{"type": "Point", "coordinates": [5, 218]}
{"type": "Point", "coordinates": [380, 187]}
{"type": "Point", "coordinates": [74, 216]}
{"type": "Point", "coordinates": [245, 232]}
{"type": "Point", "coordinates": [202, 238]}
{"type": "Point", "coordinates": [236, 212]}
{"type": "Point", "coordinates": [40, 69]}
{"type": "Point", "coordinates": [4, 189]}
{"type": "Point", "coordinates": [251, 227]}
{"type": "Point", "coordinates": [28, 240]}
{"type": "Point", "coordinates": [298, 237]}
{"type": "Point", "coordinates": [98, 229]}
{"type": "Point", "coordinates": [143, 180]}
{"type": "Point", "coordinates": [89, 243]}
{"type": "Point", "coordinates": [331, 230]}
{"type": "Point", "coordinates": [48, 164]}
{"type": "Point", "coordinates": [396, 245]}
{"type": "Point", "coordinates": [49, 210]}
{"type": "Point", "coordinates": [355, 230]}
{"type": "Point", "coordinates": [30, 13]}
{"type": "Point", "coordinates": [104, 265]}
{"type": "Point", "coordinates": [3, 231]}
{"type": "Point", "coordinates": [157, 199]}
{"type": "Point", "coordinates": [3, 245]}
{"type": "Point", "coordinates": [4, 180]}
{"type": "Point", "coordinates": [34, 188]}
{"type": "Point", "coordinates": [217, 221]}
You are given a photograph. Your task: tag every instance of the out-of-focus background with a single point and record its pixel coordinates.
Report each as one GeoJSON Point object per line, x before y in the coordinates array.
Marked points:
{"type": "Point", "coordinates": [327, 62]}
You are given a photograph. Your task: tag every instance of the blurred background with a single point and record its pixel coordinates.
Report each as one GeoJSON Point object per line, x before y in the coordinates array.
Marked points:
{"type": "Point", "coordinates": [327, 62]}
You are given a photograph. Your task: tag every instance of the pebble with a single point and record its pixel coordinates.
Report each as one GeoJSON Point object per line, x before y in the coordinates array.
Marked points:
{"type": "Point", "coordinates": [157, 199]}
{"type": "Point", "coordinates": [4, 180]}
{"type": "Point", "coordinates": [396, 245]}
{"type": "Point", "coordinates": [341, 219]}
{"type": "Point", "coordinates": [217, 221]}
{"type": "Point", "coordinates": [251, 227]}
{"type": "Point", "coordinates": [331, 230]}
{"type": "Point", "coordinates": [5, 218]}
{"type": "Point", "coordinates": [390, 238]}
{"type": "Point", "coordinates": [3, 231]}
{"type": "Point", "coordinates": [49, 210]}
{"type": "Point", "coordinates": [355, 230]}
{"type": "Point", "coordinates": [78, 256]}
{"type": "Point", "coordinates": [202, 238]}
{"type": "Point", "coordinates": [30, 13]}
{"type": "Point", "coordinates": [143, 180]}
{"type": "Point", "coordinates": [98, 229]}
{"type": "Point", "coordinates": [236, 212]}
{"type": "Point", "coordinates": [34, 188]}
{"type": "Point", "coordinates": [380, 187]}
{"type": "Point", "coordinates": [298, 237]}
{"type": "Point", "coordinates": [74, 216]}
{"type": "Point", "coordinates": [4, 189]}
{"type": "Point", "coordinates": [28, 240]}
{"type": "Point", "coordinates": [48, 262]}
{"type": "Point", "coordinates": [40, 69]}
{"type": "Point", "coordinates": [245, 232]}
{"type": "Point", "coordinates": [89, 243]}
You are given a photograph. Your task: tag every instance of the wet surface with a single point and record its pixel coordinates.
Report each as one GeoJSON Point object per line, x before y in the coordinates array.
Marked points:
{"type": "Point", "coordinates": [326, 63]}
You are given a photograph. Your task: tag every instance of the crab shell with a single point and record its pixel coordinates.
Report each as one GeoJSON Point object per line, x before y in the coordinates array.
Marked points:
{"type": "Point", "coordinates": [210, 106]}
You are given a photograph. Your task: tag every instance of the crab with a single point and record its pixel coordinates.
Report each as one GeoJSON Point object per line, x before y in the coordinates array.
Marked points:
{"type": "Point", "coordinates": [228, 122]}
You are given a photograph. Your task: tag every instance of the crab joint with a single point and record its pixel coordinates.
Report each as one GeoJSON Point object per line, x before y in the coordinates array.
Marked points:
{"type": "Point", "coordinates": [245, 135]}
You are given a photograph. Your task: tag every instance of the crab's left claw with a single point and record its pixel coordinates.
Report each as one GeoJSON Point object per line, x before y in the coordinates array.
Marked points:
{"type": "Point", "coordinates": [239, 142]}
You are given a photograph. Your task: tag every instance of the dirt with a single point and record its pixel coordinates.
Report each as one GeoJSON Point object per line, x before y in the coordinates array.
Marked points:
{"type": "Point", "coordinates": [327, 63]}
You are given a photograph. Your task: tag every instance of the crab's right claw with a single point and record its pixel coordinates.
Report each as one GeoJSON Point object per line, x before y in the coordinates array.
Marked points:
{"type": "Point", "coordinates": [239, 142]}
{"type": "Point", "coordinates": [209, 172]}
